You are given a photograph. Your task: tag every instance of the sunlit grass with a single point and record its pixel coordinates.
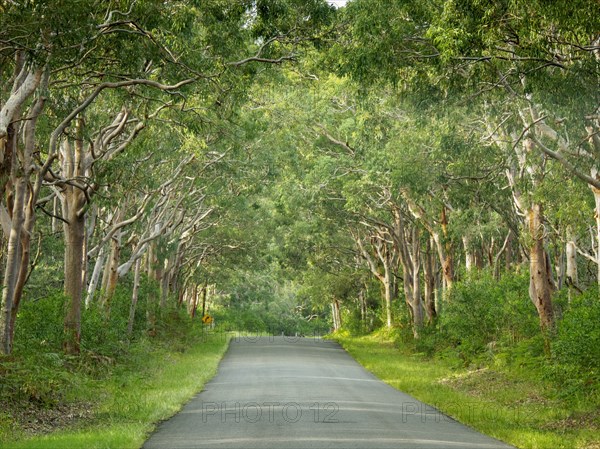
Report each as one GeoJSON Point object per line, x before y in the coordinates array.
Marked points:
{"type": "Point", "coordinates": [151, 388]}
{"type": "Point", "coordinates": [503, 412]}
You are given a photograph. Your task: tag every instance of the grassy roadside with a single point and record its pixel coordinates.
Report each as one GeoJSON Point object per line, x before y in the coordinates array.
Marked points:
{"type": "Point", "coordinates": [154, 383]}
{"type": "Point", "coordinates": [504, 405]}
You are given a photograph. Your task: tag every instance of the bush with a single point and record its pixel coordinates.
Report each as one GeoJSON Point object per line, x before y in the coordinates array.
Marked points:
{"type": "Point", "coordinates": [39, 324]}
{"type": "Point", "coordinates": [106, 333]}
{"type": "Point", "coordinates": [576, 348]}
{"type": "Point", "coordinates": [272, 322]}
{"type": "Point", "coordinates": [38, 378]}
{"type": "Point", "coordinates": [483, 314]}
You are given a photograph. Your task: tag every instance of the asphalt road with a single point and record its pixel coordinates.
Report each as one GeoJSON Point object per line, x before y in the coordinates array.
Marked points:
{"type": "Point", "coordinates": [298, 393]}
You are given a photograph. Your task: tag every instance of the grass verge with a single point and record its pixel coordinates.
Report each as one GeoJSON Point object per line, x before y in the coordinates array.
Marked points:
{"type": "Point", "coordinates": [151, 386]}
{"type": "Point", "coordinates": [505, 405]}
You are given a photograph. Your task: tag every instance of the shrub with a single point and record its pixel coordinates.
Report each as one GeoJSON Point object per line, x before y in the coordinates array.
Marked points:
{"type": "Point", "coordinates": [576, 348]}
{"type": "Point", "coordinates": [40, 323]}
{"type": "Point", "coordinates": [483, 314]}
{"type": "Point", "coordinates": [38, 378]}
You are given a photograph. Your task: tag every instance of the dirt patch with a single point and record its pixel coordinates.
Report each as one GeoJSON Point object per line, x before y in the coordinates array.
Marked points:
{"type": "Point", "coordinates": [32, 419]}
{"type": "Point", "coordinates": [590, 420]}
{"type": "Point", "coordinates": [487, 383]}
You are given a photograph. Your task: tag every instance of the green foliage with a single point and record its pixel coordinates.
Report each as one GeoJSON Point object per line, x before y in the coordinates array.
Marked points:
{"type": "Point", "coordinates": [355, 324]}
{"type": "Point", "coordinates": [511, 406]}
{"type": "Point", "coordinates": [40, 323]}
{"type": "Point", "coordinates": [38, 378]}
{"type": "Point", "coordinates": [148, 385]}
{"type": "Point", "coordinates": [103, 332]}
{"type": "Point", "coordinates": [377, 46]}
{"type": "Point", "coordinates": [256, 321]}
{"type": "Point", "coordinates": [296, 163]}
{"type": "Point", "coordinates": [42, 374]}
{"type": "Point", "coordinates": [111, 366]}
{"type": "Point", "coordinates": [575, 363]}
{"type": "Point", "coordinates": [483, 314]}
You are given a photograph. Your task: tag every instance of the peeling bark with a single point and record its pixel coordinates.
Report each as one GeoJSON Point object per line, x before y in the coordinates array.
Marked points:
{"type": "Point", "coordinates": [540, 288]}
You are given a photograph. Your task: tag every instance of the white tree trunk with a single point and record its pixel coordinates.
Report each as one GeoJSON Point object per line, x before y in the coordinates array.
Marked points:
{"type": "Point", "coordinates": [597, 200]}
{"type": "Point", "coordinates": [468, 253]}
{"type": "Point", "coordinates": [134, 296]}
{"type": "Point", "coordinates": [571, 273]}
{"type": "Point", "coordinates": [336, 316]}
{"type": "Point", "coordinates": [93, 285]}
{"type": "Point", "coordinates": [388, 292]}
{"type": "Point", "coordinates": [12, 268]}
{"type": "Point", "coordinates": [12, 107]}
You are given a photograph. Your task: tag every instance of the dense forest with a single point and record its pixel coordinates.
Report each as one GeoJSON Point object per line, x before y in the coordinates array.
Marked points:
{"type": "Point", "coordinates": [425, 170]}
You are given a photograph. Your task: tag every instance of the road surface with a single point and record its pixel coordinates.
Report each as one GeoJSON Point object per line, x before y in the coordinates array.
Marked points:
{"type": "Point", "coordinates": [298, 393]}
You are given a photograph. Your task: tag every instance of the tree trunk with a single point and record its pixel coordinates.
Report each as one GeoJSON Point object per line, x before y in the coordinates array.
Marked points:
{"type": "Point", "coordinates": [597, 201]}
{"type": "Point", "coordinates": [362, 302]}
{"type": "Point", "coordinates": [204, 293]}
{"type": "Point", "coordinates": [74, 231]}
{"type": "Point", "coordinates": [446, 263]}
{"type": "Point", "coordinates": [152, 300]}
{"type": "Point", "coordinates": [506, 248]}
{"type": "Point", "coordinates": [93, 285]}
{"type": "Point", "coordinates": [335, 312]}
{"type": "Point", "coordinates": [540, 288]}
{"type": "Point", "coordinates": [469, 258]}
{"type": "Point", "coordinates": [388, 290]}
{"type": "Point", "coordinates": [22, 213]}
{"type": "Point", "coordinates": [54, 220]}
{"type": "Point", "coordinates": [572, 277]}
{"type": "Point", "coordinates": [490, 251]}
{"type": "Point", "coordinates": [180, 297]}
{"type": "Point", "coordinates": [416, 301]}
{"type": "Point", "coordinates": [105, 276]}
{"type": "Point", "coordinates": [559, 263]}
{"type": "Point", "coordinates": [387, 282]}
{"type": "Point", "coordinates": [13, 266]}
{"type": "Point", "coordinates": [112, 267]}
{"type": "Point", "coordinates": [429, 278]}
{"type": "Point", "coordinates": [24, 264]}
{"type": "Point", "coordinates": [164, 284]}
{"type": "Point", "coordinates": [478, 257]}
{"type": "Point", "coordinates": [509, 254]}
{"type": "Point", "coordinates": [411, 264]}
{"type": "Point", "coordinates": [134, 296]}
{"type": "Point", "coordinates": [74, 235]}
{"type": "Point", "coordinates": [193, 305]}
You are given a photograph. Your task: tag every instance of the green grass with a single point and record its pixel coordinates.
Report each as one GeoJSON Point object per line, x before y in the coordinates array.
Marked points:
{"type": "Point", "coordinates": [505, 405]}
{"type": "Point", "coordinates": [151, 386]}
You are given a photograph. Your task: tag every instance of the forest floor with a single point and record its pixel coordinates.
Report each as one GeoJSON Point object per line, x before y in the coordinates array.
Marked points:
{"type": "Point", "coordinates": [117, 408]}
{"type": "Point", "coordinates": [522, 410]}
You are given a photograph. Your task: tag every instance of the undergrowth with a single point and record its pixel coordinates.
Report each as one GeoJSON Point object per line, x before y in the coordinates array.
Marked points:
{"type": "Point", "coordinates": [486, 345]}
{"type": "Point", "coordinates": [113, 393]}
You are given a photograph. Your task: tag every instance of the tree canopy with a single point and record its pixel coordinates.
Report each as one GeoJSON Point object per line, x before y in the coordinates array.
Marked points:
{"type": "Point", "coordinates": [295, 167]}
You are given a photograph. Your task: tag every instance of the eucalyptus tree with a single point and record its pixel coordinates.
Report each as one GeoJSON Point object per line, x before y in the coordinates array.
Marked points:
{"type": "Point", "coordinates": [33, 51]}
{"type": "Point", "coordinates": [54, 52]}
{"type": "Point", "coordinates": [536, 60]}
{"type": "Point", "coordinates": [513, 61]}
{"type": "Point", "coordinates": [75, 59]}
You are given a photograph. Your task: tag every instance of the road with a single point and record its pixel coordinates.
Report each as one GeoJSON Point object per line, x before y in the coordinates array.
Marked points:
{"type": "Point", "coordinates": [298, 393]}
